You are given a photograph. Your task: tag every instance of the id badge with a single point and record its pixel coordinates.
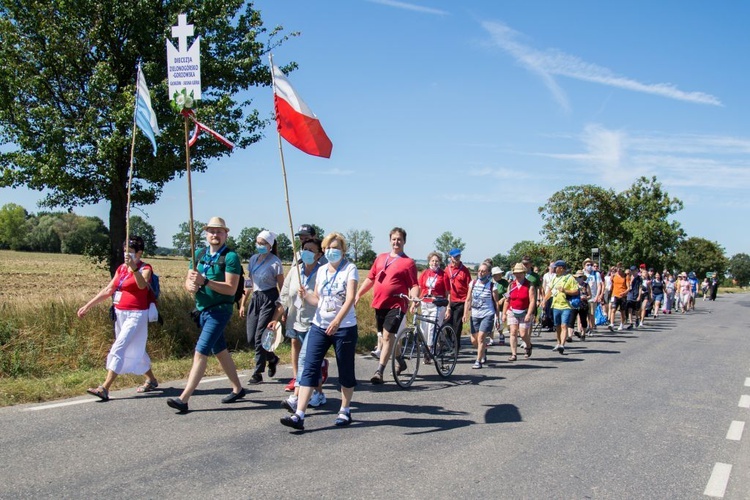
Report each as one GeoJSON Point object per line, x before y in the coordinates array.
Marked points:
{"type": "Point", "coordinates": [329, 305]}
{"type": "Point", "coordinates": [116, 297]}
{"type": "Point", "coordinates": [298, 302]}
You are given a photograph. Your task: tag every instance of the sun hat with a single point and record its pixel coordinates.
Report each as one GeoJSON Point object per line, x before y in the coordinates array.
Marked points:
{"type": "Point", "coordinates": [587, 260]}
{"type": "Point", "coordinates": [579, 274]}
{"type": "Point", "coordinates": [216, 222]}
{"type": "Point", "coordinates": [519, 268]}
{"type": "Point", "coordinates": [455, 252]}
{"type": "Point", "coordinates": [268, 236]}
{"type": "Point", "coordinates": [496, 270]}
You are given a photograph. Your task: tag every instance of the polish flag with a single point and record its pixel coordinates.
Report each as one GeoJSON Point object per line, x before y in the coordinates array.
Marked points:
{"type": "Point", "coordinates": [295, 120]}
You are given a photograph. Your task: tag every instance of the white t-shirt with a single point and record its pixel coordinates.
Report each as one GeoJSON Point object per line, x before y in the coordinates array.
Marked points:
{"type": "Point", "coordinates": [594, 281]}
{"type": "Point", "coordinates": [331, 288]}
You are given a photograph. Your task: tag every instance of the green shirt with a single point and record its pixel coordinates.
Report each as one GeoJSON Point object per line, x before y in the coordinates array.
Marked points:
{"type": "Point", "coordinates": [501, 287]}
{"type": "Point", "coordinates": [534, 279]}
{"type": "Point", "coordinates": [207, 298]}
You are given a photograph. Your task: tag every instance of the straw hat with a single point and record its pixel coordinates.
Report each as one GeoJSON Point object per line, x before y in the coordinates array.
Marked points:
{"type": "Point", "coordinates": [519, 268]}
{"type": "Point", "coordinates": [216, 222]}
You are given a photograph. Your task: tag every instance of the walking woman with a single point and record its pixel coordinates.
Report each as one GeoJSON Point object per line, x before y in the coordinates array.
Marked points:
{"type": "Point", "coordinates": [657, 288]}
{"type": "Point", "coordinates": [433, 283]}
{"type": "Point", "coordinates": [214, 286]}
{"type": "Point", "coordinates": [266, 278]}
{"type": "Point", "coordinates": [518, 311]}
{"type": "Point", "coordinates": [481, 307]}
{"type": "Point", "coordinates": [129, 291]}
{"type": "Point", "coordinates": [334, 324]}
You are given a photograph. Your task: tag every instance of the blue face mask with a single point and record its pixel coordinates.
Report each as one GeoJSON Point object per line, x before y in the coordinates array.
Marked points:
{"type": "Point", "coordinates": [484, 279]}
{"type": "Point", "coordinates": [334, 255]}
{"type": "Point", "coordinates": [307, 257]}
{"type": "Point", "coordinates": [261, 249]}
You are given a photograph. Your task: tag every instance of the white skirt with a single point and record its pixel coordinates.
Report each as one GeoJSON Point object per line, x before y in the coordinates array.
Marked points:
{"type": "Point", "coordinates": [128, 353]}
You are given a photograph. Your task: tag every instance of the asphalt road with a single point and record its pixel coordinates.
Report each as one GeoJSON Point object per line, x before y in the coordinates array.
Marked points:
{"type": "Point", "coordinates": [651, 413]}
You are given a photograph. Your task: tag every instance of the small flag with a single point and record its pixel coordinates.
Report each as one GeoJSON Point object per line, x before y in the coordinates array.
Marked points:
{"type": "Point", "coordinates": [144, 113]}
{"type": "Point", "coordinates": [199, 127]}
{"type": "Point", "coordinates": [295, 120]}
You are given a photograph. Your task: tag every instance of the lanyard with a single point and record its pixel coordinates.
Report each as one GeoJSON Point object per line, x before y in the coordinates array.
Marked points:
{"type": "Point", "coordinates": [209, 259]}
{"type": "Point", "coordinates": [330, 283]}
{"type": "Point", "coordinates": [385, 267]}
{"type": "Point", "coordinates": [125, 276]}
{"type": "Point", "coordinates": [252, 271]}
{"type": "Point", "coordinates": [474, 290]}
{"type": "Point", "coordinates": [518, 287]}
{"type": "Point", "coordinates": [307, 278]}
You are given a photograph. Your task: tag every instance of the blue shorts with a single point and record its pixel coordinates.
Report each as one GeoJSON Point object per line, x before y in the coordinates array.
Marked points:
{"type": "Point", "coordinates": [562, 317]}
{"type": "Point", "coordinates": [293, 334]}
{"type": "Point", "coordinates": [213, 322]}
{"type": "Point", "coordinates": [344, 343]}
{"type": "Point", "coordinates": [659, 297]}
{"type": "Point", "coordinates": [484, 325]}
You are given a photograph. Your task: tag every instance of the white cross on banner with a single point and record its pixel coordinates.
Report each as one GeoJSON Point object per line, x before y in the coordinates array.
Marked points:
{"type": "Point", "coordinates": [184, 65]}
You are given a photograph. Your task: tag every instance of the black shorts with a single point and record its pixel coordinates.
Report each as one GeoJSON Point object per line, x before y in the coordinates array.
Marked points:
{"type": "Point", "coordinates": [388, 319]}
{"type": "Point", "coordinates": [619, 303]}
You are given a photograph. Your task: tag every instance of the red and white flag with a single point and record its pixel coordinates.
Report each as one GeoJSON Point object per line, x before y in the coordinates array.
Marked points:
{"type": "Point", "coordinates": [199, 127]}
{"type": "Point", "coordinates": [295, 121]}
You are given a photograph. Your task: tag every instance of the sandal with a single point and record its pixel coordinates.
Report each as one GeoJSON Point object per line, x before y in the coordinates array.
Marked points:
{"type": "Point", "coordinates": [100, 392]}
{"type": "Point", "coordinates": [148, 386]}
{"type": "Point", "coordinates": [528, 351]}
{"type": "Point", "coordinates": [512, 357]}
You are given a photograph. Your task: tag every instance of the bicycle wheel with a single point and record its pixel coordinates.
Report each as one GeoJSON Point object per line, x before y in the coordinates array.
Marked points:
{"type": "Point", "coordinates": [445, 353]}
{"type": "Point", "coordinates": [407, 348]}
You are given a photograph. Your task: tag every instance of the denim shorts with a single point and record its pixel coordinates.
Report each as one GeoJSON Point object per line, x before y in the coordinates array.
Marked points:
{"type": "Point", "coordinates": [213, 322]}
{"type": "Point", "coordinates": [293, 334]}
{"type": "Point", "coordinates": [562, 317]}
{"type": "Point", "coordinates": [659, 297]}
{"type": "Point", "coordinates": [483, 325]}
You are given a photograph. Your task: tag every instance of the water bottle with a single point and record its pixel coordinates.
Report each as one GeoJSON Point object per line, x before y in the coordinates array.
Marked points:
{"type": "Point", "coordinates": [269, 336]}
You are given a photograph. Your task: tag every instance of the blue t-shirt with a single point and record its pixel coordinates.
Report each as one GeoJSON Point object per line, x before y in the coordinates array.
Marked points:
{"type": "Point", "coordinates": [264, 274]}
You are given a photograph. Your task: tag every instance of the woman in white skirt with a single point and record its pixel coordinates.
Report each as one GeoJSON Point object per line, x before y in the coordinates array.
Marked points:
{"type": "Point", "coordinates": [433, 283]}
{"type": "Point", "coordinates": [129, 290]}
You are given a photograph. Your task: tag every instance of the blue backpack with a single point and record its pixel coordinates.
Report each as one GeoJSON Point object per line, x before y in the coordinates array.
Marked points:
{"type": "Point", "coordinates": [154, 287]}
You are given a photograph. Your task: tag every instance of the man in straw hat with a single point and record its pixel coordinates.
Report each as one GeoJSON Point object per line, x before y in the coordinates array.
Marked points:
{"type": "Point", "coordinates": [214, 287]}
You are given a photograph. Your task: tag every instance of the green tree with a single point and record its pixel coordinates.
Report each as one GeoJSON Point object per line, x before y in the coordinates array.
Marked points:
{"type": "Point", "coordinates": [358, 241]}
{"type": "Point", "coordinates": [284, 247]}
{"type": "Point", "coordinates": [181, 240]}
{"type": "Point", "coordinates": [700, 256]}
{"type": "Point", "coordinates": [139, 227]}
{"type": "Point", "coordinates": [503, 262]}
{"type": "Point", "coordinates": [650, 236]}
{"type": "Point", "coordinates": [13, 226]}
{"type": "Point", "coordinates": [739, 268]}
{"type": "Point", "coordinates": [246, 242]}
{"type": "Point", "coordinates": [366, 259]}
{"type": "Point", "coordinates": [446, 242]}
{"type": "Point", "coordinates": [579, 218]}
{"type": "Point", "coordinates": [540, 254]}
{"type": "Point", "coordinates": [83, 235]}
{"type": "Point", "coordinates": [67, 93]}
{"type": "Point", "coordinates": [43, 235]}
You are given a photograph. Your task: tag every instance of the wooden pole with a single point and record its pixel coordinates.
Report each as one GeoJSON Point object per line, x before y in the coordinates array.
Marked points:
{"type": "Point", "coordinates": [190, 193]}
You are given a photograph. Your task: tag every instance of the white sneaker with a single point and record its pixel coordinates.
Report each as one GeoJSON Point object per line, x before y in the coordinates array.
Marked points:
{"type": "Point", "coordinates": [619, 328]}
{"type": "Point", "coordinates": [522, 344]}
{"type": "Point", "coordinates": [375, 353]}
{"type": "Point", "coordinates": [488, 341]}
{"type": "Point", "coordinates": [317, 399]}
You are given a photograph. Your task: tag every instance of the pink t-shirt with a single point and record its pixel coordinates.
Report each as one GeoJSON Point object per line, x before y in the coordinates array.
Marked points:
{"type": "Point", "coordinates": [391, 276]}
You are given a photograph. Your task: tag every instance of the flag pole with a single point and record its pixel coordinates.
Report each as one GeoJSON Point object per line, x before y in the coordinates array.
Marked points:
{"type": "Point", "coordinates": [286, 187]}
{"type": "Point", "coordinates": [190, 192]}
{"type": "Point", "coordinates": [132, 154]}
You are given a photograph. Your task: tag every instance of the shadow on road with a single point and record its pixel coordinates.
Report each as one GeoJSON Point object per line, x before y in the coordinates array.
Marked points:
{"type": "Point", "coordinates": [501, 414]}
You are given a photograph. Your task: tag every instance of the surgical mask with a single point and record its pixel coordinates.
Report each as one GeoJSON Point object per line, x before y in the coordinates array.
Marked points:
{"type": "Point", "coordinates": [333, 255]}
{"type": "Point", "coordinates": [435, 267]}
{"type": "Point", "coordinates": [261, 249]}
{"type": "Point", "coordinates": [589, 267]}
{"type": "Point", "coordinates": [307, 257]}
{"type": "Point", "coordinates": [132, 256]}
{"type": "Point", "coordinates": [484, 279]}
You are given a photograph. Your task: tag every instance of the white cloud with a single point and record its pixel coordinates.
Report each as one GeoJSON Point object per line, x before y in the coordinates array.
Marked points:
{"type": "Point", "coordinates": [497, 173]}
{"type": "Point", "coordinates": [551, 62]}
{"type": "Point", "coordinates": [410, 6]}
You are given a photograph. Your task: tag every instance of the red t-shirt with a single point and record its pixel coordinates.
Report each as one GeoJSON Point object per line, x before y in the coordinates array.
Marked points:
{"type": "Point", "coordinates": [433, 283]}
{"type": "Point", "coordinates": [518, 296]}
{"type": "Point", "coordinates": [391, 276]}
{"type": "Point", "coordinates": [132, 297]}
{"type": "Point", "coordinates": [459, 279]}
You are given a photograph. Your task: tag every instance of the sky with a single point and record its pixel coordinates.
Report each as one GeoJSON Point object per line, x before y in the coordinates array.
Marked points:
{"type": "Point", "coordinates": [467, 116]}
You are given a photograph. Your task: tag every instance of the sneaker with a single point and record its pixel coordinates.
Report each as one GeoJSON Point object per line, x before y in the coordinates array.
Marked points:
{"type": "Point", "coordinates": [293, 421]}
{"type": "Point", "coordinates": [630, 326]}
{"type": "Point", "coordinates": [569, 339]}
{"type": "Point", "coordinates": [177, 404]}
{"type": "Point", "coordinates": [255, 379]}
{"type": "Point", "coordinates": [476, 366]}
{"type": "Point", "coordinates": [561, 349]}
{"type": "Point", "coordinates": [488, 341]}
{"type": "Point", "coordinates": [317, 399]}
{"type": "Point", "coordinates": [576, 333]}
{"type": "Point", "coordinates": [522, 344]}
{"type": "Point", "coordinates": [233, 396]}
{"type": "Point", "coordinates": [324, 371]}
{"type": "Point", "coordinates": [377, 378]}
{"type": "Point", "coordinates": [289, 404]}
{"type": "Point", "coordinates": [375, 353]}
{"type": "Point", "coordinates": [290, 386]}
{"type": "Point", "coordinates": [611, 327]}
{"type": "Point", "coordinates": [619, 328]}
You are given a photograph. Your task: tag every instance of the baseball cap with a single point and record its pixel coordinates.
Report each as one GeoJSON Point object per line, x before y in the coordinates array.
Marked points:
{"type": "Point", "coordinates": [561, 263]}
{"type": "Point", "coordinates": [305, 229]}
{"type": "Point", "coordinates": [455, 252]}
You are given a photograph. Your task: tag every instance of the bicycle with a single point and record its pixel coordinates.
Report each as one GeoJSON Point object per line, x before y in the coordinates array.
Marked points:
{"type": "Point", "coordinates": [410, 345]}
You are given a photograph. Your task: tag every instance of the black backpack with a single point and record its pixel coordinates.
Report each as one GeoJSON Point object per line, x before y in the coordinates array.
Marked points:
{"type": "Point", "coordinates": [222, 263]}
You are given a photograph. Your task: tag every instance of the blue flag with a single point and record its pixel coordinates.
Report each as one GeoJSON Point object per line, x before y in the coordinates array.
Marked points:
{"type": "Point", "coordinates": [144, 113]}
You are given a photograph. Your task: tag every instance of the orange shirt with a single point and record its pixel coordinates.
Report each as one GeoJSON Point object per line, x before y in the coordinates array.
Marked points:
{"type": "Point", "coordinates": [619, 285]}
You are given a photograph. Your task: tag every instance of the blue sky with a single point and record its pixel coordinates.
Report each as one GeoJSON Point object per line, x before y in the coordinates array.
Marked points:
{"type": "Point", "coordinates": [467, 116]}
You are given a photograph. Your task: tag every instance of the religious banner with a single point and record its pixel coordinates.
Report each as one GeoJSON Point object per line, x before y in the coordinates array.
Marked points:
{"type": "Point", "coordinates": [184, 66]}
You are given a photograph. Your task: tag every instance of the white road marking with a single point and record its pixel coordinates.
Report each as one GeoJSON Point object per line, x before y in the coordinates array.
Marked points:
{"type": "Point", "coordinates": [92, 400]}
{"type": "Point", "coordinates": [717, 483]}
{"type": "Point", "coordinates": [59, 405]}
{"type": "Point", "coordinates": [744, 401]}
{"type": "Point", "coordinates": [735, 430]}
{"type": "Point", "coordinates": [747, 381]}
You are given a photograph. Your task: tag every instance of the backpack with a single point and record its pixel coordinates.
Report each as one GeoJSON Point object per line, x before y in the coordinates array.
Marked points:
{"type": "Point", "coordinates": [222, 263]}
{"type": "Point", "coordinates": [154, 287]}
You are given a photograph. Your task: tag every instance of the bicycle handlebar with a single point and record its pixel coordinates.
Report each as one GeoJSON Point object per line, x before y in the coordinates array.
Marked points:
{"type": "Point", "coordinates": [438, 301]}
